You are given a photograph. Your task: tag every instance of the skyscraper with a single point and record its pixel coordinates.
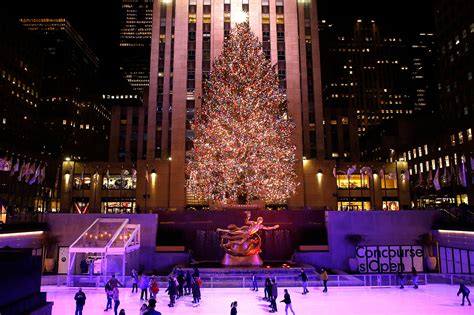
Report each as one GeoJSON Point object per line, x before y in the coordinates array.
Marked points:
{"type": "Point", "coordinates": [135, 39]}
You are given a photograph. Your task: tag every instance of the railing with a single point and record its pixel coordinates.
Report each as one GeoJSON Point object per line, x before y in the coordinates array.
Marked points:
{"type": "Point", "coordinates": [371, 280]}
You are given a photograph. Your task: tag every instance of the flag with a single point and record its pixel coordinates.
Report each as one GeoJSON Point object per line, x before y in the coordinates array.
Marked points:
{"type": "Point", "coordinates": [23, 169]}
{"type": "Point", "coordinates": [42, 174]}
{"type": "Point", "coordinates": [436, 180]}
{"type": "Point", "coordinates": [366, 170]}
{"type": "Point", "coordinates": [5, 164]}
{"type": "Point", "coordinates": [334, 172]}
{"type": "Point", "coordinates": [36, 175]}
{"type": "Point", "coordinates": [382, 173]}
{"type": "Point", "coordinates": [351, 170]}
{"type": "Point", "coordinates": [15, 168]}
{"type": "Point", "coordinates": [462, 176]}
{"type": "Point", "coordinates": [134, 173]}
{"type": "Point", "coordinates": [3, 161]}
{"type": "Point", "coordinates": [30, 171]}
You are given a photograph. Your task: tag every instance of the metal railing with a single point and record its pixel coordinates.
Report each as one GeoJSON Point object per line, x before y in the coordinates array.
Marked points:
{"type": "Point", "coordinates": [345, 280]}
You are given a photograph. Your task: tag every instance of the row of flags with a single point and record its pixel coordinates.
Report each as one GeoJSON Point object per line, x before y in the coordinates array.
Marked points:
{"type": "Point", "coordinates": [29, 172]}
{"type": "Point", "coordinates": [458, 174]}
{"type": "Point", "coordinates": [449, 173]}
{"type": "Point", "coordinates": [366, 170]}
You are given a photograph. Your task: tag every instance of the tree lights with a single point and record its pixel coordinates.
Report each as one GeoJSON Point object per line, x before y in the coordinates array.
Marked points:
{"type": "Point", "coordinates": [242, 147]}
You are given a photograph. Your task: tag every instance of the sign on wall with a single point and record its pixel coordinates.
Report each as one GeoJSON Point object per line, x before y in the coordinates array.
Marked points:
{"type": "Point", "coordinates": [389, 259]}
{"type": "Point", "coordinates": [63, 257]}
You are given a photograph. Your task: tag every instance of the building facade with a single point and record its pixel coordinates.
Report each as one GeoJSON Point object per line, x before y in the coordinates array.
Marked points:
{"type": "Point", "coordinates": [70, 108]}
{"type": "Point", "coordinates": [135, 40]}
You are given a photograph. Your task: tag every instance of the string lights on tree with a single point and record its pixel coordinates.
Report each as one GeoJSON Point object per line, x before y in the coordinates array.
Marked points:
{"type": "Point", "coordinates": [242, 147]}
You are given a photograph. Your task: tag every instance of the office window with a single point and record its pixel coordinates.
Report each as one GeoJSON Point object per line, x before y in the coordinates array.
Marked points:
{"type": "Point", "coordinates": [469, 134]}
{"type": "Point", "coordinates": [461, 137]}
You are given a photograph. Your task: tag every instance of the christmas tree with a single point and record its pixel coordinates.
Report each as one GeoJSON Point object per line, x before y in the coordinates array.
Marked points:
{"type": "Point", "coordinates": [242, 148]}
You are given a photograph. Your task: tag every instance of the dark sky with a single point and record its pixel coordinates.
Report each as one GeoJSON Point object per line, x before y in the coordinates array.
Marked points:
{"type": "Point", "coordinates": [98, 20]}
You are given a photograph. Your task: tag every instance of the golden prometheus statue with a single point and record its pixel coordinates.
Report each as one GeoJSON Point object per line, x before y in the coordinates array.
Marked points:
{"type": "Point", "coordinates": [242, 245]}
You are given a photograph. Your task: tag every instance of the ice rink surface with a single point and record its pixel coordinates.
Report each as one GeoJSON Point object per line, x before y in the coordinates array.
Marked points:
{"type": "Point", "coordinates": [428, 299]}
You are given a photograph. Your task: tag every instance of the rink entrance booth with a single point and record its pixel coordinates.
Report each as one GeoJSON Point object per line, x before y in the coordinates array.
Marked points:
{"type": "Point", "coordinates": [108, 246]}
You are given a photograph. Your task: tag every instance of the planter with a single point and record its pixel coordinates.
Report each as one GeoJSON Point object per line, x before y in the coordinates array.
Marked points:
{"type": "Point", "coordinates": [431, 262]}
{"type": "Point", "coordinates": [353, 264]}
{"type": "Point", "coordinates": [49, 264]}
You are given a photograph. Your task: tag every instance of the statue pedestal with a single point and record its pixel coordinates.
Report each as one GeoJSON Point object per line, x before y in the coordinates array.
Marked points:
{"type": "Point", "coordinates": [252, 260]}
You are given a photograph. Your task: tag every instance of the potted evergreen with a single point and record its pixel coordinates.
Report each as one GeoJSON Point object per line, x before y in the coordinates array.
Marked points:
{"type": "Point", "coordinates": [354, 240]}
{"type": "Point", "coordinates": [428, 242]}
{"type": "Point", "coordinates": [49, 242]}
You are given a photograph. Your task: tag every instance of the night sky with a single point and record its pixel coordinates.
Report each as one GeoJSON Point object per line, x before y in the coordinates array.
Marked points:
{"type": "Point", "coordinates": [98, 20]}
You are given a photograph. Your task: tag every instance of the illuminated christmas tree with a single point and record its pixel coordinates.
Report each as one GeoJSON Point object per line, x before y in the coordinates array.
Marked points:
{"type": "Point", "coordinates": [242, 148]}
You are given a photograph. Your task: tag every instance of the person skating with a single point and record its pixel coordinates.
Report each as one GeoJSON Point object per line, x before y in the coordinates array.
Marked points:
{"type": "Point", "coordinates": [415, 277]}
{"type": "Point", "coordinates": [287, 301]}
{"type": "Point", "coordinates": [114, 282]}
{"type": "Point", "coordinates": [189, 281]}
{"type": "Point", "coordinates": [274, 296]}
{"type": "Point", "coordinates": [268, 289]}
{"type": "Point", "coordinates": [116, 298]}
{"type": "Point", "coordinates": [465, 293]}
{"type": "Point", "coordinates": [324, 277]}
{"type": "Point", "coordinates": [80, 298]}
{"type": "Point", "coordinates": [196, 289]}
{"type": "Point", "coordinates": [181, 282]}
{"type": "Point", "coordinates": [233, 308]}
{"type": "Point", "coordinates": [171, 291]}
{"type": "Point", "coordinates": [134, 281]}
{"type": "Point", "coordinates": [151, 308]}
{"type": "Point", "coordinates": [254, 282]}
{"type": "Point", "coordinates": [109, 293]}
{"type": "Point", "coordinates": [154, 289]}
{"type": "Point", "coordinates": [144, 284]}
{"type": "Point", "coordinates": [195, 272]}
{"type": "Point", "coordinates": [304, 279]}
{"type": "Point", "coordinates": [401, 280]}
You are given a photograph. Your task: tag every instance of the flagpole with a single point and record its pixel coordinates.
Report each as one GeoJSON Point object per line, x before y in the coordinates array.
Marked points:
{"type": "Point", "coordinates": [82, 182]}
{"type": "Point", "coordinates": [349, 187]}
{"type": "Point", "coordinates": [120, 189]}
{"type": "Point", "coordinates": [361, 189]}
{"type": "Point", "coordinates": [96, 186]}
{"type": "Point", "coordinates": [398, 186]}
{"type": "Point", "coordinates": [146, 186]}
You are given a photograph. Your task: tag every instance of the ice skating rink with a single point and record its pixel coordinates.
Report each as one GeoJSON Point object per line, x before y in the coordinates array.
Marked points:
{"type": "Point", "coordinates": [428, 299]}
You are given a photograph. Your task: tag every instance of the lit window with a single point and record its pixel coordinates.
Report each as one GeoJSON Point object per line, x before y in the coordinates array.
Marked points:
{"type": "Point", "coordinates": [440, 162]}
{"type": "Point", "coordinates": [420, 153]}
{"type": "Point", "coordinates": [64, 121]}
{"type": "Point", "coordinates": [426, 149]}
{"type": "Point", "coordinates": [461, 137]}
{"type": "Point", "coordinates": [415, 168]}
{"type": "Point", "coordinates": [469, 75]}
{"type": "Point", "coordinates": [421, 167]}
{"type": "Point", "coordinates": [335, 154]}
{"type": "Point", "coordinates": [446, 160]}
{"type": "Point", "coordinates": [414, 153]}
{"type": "Point", "coordinates": [4, 121]}
{"type": "Point", "coordinates": [453, 140]}
{"type": "Point", "coordinates": [409, 155]}
{"type": "Point", "coordinates": [433, 164]}
{"type": "Point", "coordinates": [469, 134]}
{"type": "Point", "coordinates": [427, 165]}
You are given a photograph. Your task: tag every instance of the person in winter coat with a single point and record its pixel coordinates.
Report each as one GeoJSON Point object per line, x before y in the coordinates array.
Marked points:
{"type": "Point", "coordinates": [324, 277]}
{"type": "Point", "coordinates": [401, 279]}
{"type": "Point", "coordinates": [196, 289]}
{"type": "Point", "coordinates": [189, 281]}
{"type": "Point", "coordinates": [80, 298]}
{"type": "Point", "coordinates": [116, 300]}
{"type": "Point", "coordinates": [109, 293]}
{"type": "Point", "coordinates": [144, 284]}
{"type": "Point", "coordinates": [287, 301]}
{"type": "Point", "coordinates": [114, 282]}
{"type": "Point", "coordinates": [134, 281]}
{"type": "Point", "coordinates": [465, 293]}
{"type": "Point", "coordinates": [154, 289]}
{"type": "Point", "coordinates": [233, 308]}
{"type": "Point", "coordinates": [414, 275]}
{"type": "Point", "coordinates": [274, 296]}
{"type": "Point", "coordinates": [254, 282]}
{"type": "Point", "coordinates": [268, 289]}
{"type": "Point", "coordinates": [171, 291]}
{"type": "Point", "coordinates": [181, 282]}
{"type": "Point", "coordinates": [304, 279]}
{"type": "Point", "coordinates": [151, 308]}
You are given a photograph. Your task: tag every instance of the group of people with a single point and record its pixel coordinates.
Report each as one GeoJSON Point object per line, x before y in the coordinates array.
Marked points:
{"type": "Point", "coordinates": [414, 276]}
{"type": "Point", "coordinates": [183, 284]}
{"type": "Point", "coordinates": [323, 275]}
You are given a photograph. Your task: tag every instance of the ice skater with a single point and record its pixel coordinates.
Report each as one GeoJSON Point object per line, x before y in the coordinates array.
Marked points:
{"type": "Point", "coordinates": [196, 291]}
{"type": "Point", "coordinates": [414, 275]}
{"type": "Point", "coordinates": [401, 279]}
{"type": "Point", "coordinates": [465, 293]}
{"type": "Point", "coordinates": [254, 282]}
{"type": "Point", "coordinates": [154, 289]}
{"type": "Point", "coordinates": [116, 300]}
{"type": "Point", "coordinates": [233, 308]}
{"type": "Point", "coordinates": [171, 291]}
{"type": "Point", "coordinates": [114, 282]}
{"type": "Point", "coordinates": [181, 282]}
{"type": "Point", "coordinates": [324, 277]}
{"type": "Point", "coordinates": [274, 296]}
{"type": "Point", "coordinates": [189, 281]}
{"type": "Point", "coordinates": [80, 298]}
{"type": "Point", "coordinates": [109, 293]}
{"type": "Point", "coordinates": [134, 281]}
{"type": "Point", "coordinates": [287, 301]}
{"type": "Point", "coordinates": [268, 289]}
{"type": "Point", "coordinates": [304, 279]}
{"type": "Point", "coordinates": [144, 284]}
